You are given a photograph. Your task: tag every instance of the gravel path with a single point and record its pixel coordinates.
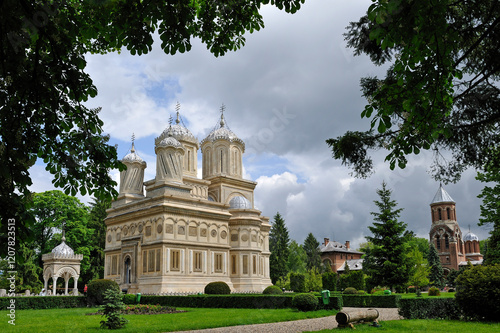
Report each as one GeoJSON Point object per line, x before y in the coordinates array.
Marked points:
{"type": "Point", "coordinates": [296, 326]}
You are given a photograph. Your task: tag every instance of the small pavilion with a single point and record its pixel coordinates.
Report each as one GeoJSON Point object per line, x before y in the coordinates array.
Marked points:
{"type": "Point", "coordinates": [62, 262]}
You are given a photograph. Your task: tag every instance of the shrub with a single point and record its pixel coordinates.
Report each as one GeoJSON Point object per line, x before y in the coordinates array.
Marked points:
{"type": "Point", "coordinates": [429, 308]}
{"type": "Point", "coordinates": [298, 282]}
{"type": "Point", "coordinates": [370, 301]}
{"type": "Point", "coordinates": [350, 290]}
{"type": "Point", "coordinates": [433, 291]}
{"type": "Point", "coordinates": [478, 292]}
{"type": "Point", "coordinates": [129, 298]}
{"type": "Point", "coordinates": [45, 302]}
{"type": "Point", "coordinates": [329, 280]}
{"type": "Point", "coordinates": [305, 302]}
{"type": "Point", "coordinates": [356, 280]}
{"type": "Point", "coordinates": [412, 290]}
{"type": "Point", "coordinates": [451, 290]}
{"type": "Point", "coordinates": [361, 292]}
{"type": "Point", "coordinates": [96, 289]}
{"type": "Point", "coordinates": [217, 288]}
{"type": "Point", "coordinates": [112, 310]}
{"type": "Point", "coordinates": [272, 290]}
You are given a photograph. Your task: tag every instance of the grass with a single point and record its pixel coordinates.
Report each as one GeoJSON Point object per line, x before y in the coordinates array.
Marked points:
{"type": "Point", "coordinates": [75, 320]}
{"type": "Point", "coordinates": [426, 295]}
{"type": "Point", "coordinates": [417, 326]}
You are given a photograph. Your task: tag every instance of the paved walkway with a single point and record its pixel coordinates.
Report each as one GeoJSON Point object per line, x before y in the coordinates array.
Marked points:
{"type": "Point", "coordinates": [296, 326]}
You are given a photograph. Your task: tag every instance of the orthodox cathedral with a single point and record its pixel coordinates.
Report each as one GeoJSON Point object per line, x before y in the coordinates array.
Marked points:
{"type": "Point", "coordinates": [176, 232]}
{"type": "Point", "coordinates": [453, 249]}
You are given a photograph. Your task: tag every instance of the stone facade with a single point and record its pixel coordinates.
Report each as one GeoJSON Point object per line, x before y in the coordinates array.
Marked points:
{"type": "Point", "coordinates": [446, 235]}
{"type": "Point", "coordinates": [336, 254]}
{"type": "Point", "coordinates": [185, 232]}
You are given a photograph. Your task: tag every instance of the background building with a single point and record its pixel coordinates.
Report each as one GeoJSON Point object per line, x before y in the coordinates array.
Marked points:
{"type": "Point", "coordinates": [453, 249]}
{"type": "Point", "coordinates": [185, 232]}
{"type": "Point", "coordinates": [336, 254]}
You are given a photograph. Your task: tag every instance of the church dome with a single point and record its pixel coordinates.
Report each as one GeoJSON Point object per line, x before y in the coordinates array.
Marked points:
{"type": "Point", "coordinates": [470, 237]}
{"type": "Point", "coordinates": [132, 157]}
{"type": "Point", "coordinates": [240, 202]}
{"type": "Point", "coordinates": [63, 249]}
{"type": "Point", "coordinates": [178, 131]}
{"type": "Point", "coordinates": [442, 196]}
{"type": "Point", "coordinates": [222, 132]}
{"type": "Point", "coordinates": [169, 141]}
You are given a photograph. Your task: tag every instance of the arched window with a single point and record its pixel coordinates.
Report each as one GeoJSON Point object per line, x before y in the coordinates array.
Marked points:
{"type": "Point", "coordinates": [438, 243]}
{"type": "Point", "coordinates": [446, 242]}
{"type": "Point", "coordinates": [128, 270]}
{"type": "Point", "coordinates": [448, 212]}
{"type": "Point", "coordinates": [439, 214]}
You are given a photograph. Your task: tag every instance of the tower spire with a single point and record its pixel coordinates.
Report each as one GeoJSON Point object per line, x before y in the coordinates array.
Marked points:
{"type": "Point", "coordinates": [222, 109]}
{"type": "Point", "coordinates": [177, 108]}
{"type": "Point", "coordinates": [132, 150]}
{"type": "Point", "coordinates": [63, 238]}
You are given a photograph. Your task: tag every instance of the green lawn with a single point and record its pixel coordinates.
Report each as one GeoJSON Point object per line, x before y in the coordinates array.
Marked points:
{"type": "Point", "coordinates": [75, 320]}
{"type": "Point", "coordinates": [418, 326]}
{"type": "Point", "coordinates": [426, 295]}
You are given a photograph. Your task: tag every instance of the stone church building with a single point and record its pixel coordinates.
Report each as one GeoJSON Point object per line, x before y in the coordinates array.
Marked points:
{"type": "Point", "coordinates": [453, 249]}
{"type": "Point", "coordinates": [176, 232]}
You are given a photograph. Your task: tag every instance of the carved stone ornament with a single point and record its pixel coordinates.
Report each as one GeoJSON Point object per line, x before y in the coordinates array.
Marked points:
{"type": "Point", "coordinates": [213, 233]}
{"type": "Point", "coordinates": [169, 228]}
{"type": "Point", "coordinates": [125, 231]}
{"type": "Point", "coordinates": [181, 230]}
{"type": "Point", "coordinates": [140, 228]}
{"type": "Point", "coordinates": [109, 238]}
{"type": "Point", "coordinates": [244, 237]}
{"type": "Point", "coordinates": [223, 234]}
{"type": "Point", "coordinates": [254, 238]}
{"type": "Point", "coordinates": [203, 232]}
{"type": "Point", "coordinates": [159, 228]}
{"type": "Point", "coordinates": [234, 237]}
{"type": "Point", "coordinates": [132, 229]}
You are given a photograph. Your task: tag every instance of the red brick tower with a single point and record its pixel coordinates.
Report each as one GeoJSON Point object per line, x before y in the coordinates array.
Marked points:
{"type": "Point", "coordinates": [445, 232]}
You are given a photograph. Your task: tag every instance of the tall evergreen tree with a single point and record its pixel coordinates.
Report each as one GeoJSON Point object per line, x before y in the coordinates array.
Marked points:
{"type": "Point", "coordinates": [296, 258]}
{"type": "Point", "coordinates": [436, 276]}
{"type": "Point", "coordinates": [490, 209]}
{"type": "Point", "coordinates": [386, 262]}
{"type": "Point", "coordinates": [278, 244]}
{"type": "Point", "coordinates": [311, 246]}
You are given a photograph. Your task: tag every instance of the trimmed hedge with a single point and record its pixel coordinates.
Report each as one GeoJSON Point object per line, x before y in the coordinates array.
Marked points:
{"type": "Point", "coordinates": [217, 288]}
{"type": "Point", "coordinates": [44, 302]}
{"type": "Point", "coordinates": [96, 289]}
{"type": "Point", "coordinates": [235, 301]}
{"type": "Point", "coordinates": [305, 302]}
{"type": "Point", "coordinates": [429, 308]}
{"type": "Point", "coordinates": [371, 301]}
{"type": "Point", "coordinates": [272, 290]}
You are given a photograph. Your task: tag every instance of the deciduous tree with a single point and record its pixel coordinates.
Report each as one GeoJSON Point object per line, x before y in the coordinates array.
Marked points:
{"type": "Point", "coordinates": [441, 90]}
{"type": "Point", "coordinates": [297, 258]}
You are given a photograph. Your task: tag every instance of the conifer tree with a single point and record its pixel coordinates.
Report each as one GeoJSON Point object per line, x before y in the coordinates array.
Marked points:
{"type": "Point", "coordinates": [386, 262]}
{"type": "Point", "coordinates": [278, 244]}
{"type": "Point", "coordinates": [436, 276]}
{"type": "Point", "coordinates": [311, 246]}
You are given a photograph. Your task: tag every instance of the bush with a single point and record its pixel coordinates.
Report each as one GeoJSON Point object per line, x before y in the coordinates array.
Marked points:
{"type": "Point", "coordinates": [370, 301]}
{"type": "Point", "coordinates": [361, 292]}
{"type": "Point", "coordinates": [350, 290]}
{"type": "Point", "coordinates": [129, 298]}
{"type": "Point", "coordinates": [305, 302]}
{"type": "Point", "coordinates": [412, 290]}
{"type": "Point", "coordinates": [217, 288]}
{"type": "Point", "coordinates": [45, 302]}
{"type": "Point", "coordinates": [356, 280]}
{"type": "Point", "coordinates": [272, 290]}
{"type": "Point", "coordinates": [478, 292]}
{"type": "Point", "coordinates": [298, 282]}
{"type": "Point", "coordinates": [329, 280]}
{"type": "Point", "coordinates": [433, 291]}
{"type": "Point", "coordinates": [96, 289]}
{"type": "Point", "coordinates": [429, 308]}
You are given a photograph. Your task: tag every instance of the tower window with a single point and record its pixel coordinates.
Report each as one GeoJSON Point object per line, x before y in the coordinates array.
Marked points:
{"type": "Point", "coordinates": [448, 212]}
{"type": "Point", "coordinates": [439, 214]}
{"type": "Point", "coordinates": [438, 243]}
{"type": "Point", "coordinates": [446, 242]}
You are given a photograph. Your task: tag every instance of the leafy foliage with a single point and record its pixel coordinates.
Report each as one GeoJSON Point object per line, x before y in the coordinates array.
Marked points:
{"type": "Point", "coordinates": [329, 280]}
{"type": "Point", "coordinates": [386, 262]}
{"type": "Point", "coordinates": [313, 280]}
{"type": "Point", "coordinates": [97, 288]}
{"type": "Point", "coordinates": [298, 282]}
{"type": "Point", "coordinates": [419, 269]}
{"type": "Point", "coordinates": [350, 290]}
{"type": "Point", "coordinates": [436, 94]}
{"type": "Point", "coordinates": [43, 83]}
{"type": "Point", "coordinates": [429, 308]}
{"type": "Point", "coordinates": [490, 208]}
{"type": "Point", "coordinates": [433, 291]}
{"type": "Point", "coordinates": [311, 247]}
{"type": "Point", "coordinates": [113, 307]}
{"type": "Point", "coordinates": [129, 298]}
{"type": "Point", "coordinates": [297, 258]}
{"type": "Point", "coordinates": [45, 302]}
{"type": "Point", "coordinates": [278, 244]}
{"type": "Point", "coordinates": [217, 288]}
{"type": "Point", "coordinates": [305, 302]}
{"type": "Point", "coordinates": [436, 275]}
{"type": "Point", "coordinates": [478, 291]}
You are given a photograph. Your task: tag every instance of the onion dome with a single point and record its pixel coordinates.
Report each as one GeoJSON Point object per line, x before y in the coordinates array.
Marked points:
{"type": "Point", "coordinates": [169, 141]}
{"type": "Point", "coordinates": [178, 131]}
{"type": "Point", "coordinates": [470, 237]}
{"type": "Point", "coordinates": [63, 248]}
{"type": "Point", "coordinates": [442, 196]}
{"type": "Point", "coordinates": [222, 132]}
{"type": "Point", "coordinates": [132, 157]}
{"type": "Point", "coordinates": [240, 202]}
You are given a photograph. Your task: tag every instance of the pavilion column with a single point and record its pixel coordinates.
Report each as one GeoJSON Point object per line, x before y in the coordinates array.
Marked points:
{"type": "Point", "coordinates": [66, 281]}
{"type": "Point", "coordinates": [54, 285]}
{"type": "Point", "coordinates": [75, 288]}
{"type": "Point", "coordinates": [46, 284]}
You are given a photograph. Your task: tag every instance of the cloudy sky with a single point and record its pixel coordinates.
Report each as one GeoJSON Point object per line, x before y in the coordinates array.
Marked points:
{"type": "Point", "coordinates": [292, 86]}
